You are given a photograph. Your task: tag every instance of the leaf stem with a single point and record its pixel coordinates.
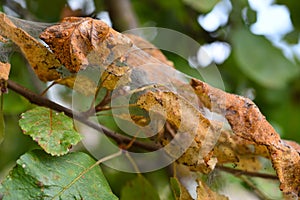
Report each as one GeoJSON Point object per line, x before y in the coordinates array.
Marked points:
{"type": "Point", "coordinates": [238, 172]}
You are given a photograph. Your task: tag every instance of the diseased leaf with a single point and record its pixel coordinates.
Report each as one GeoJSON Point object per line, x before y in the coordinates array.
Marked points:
{"type": "Point", "coordinates": [248, 123]}
{"type": "Point", "coordinates": [54, 132]}
{"type": "Point", "coordinates": [98, 45]}
{"type": "Point", "coordinates": [263, 63]}
{"type": "Point", "coordinates": [111, 76]}
{"type": "Point", "coordinates": [40, 58]}
{"type": "Point", "coordinates": [245, 154]}
{"type": "Point", "coordinates": [79, 42]}
{"type": "Point", "coordinates": [139, 188]}
{"type": "Point", "coordinates": [186, 119]}
{"type": "Point", "coordinates": [41, 176]}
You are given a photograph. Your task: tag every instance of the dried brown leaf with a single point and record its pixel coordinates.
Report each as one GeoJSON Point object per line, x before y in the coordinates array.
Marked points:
{"type": "Point", "coordinates": [4, 71]}
{"type": "Point", "coordinates": [115, 76]}
{"type": "Point", "coordinates": [248, 123]}
{"type": "Point", "coordinates": [80, 42]}
{"type": "Point", "coordinates": [40, 58]}
{"type": "Point", "coordinates": [187, 119]}
{"type": "Point", "coordinates": [243, 153]}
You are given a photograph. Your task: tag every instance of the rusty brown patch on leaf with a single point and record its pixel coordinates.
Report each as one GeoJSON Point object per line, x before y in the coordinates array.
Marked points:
{"type": "Point", "coordinates": [186, 119]}
{"type": "Point", "coordinates": [248, 123]}
{"type": "Point", "coordinates": [80, 42]}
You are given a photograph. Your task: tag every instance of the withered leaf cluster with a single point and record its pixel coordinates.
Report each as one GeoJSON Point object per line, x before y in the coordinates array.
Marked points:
{"type": "Point", "coordinates": [79, 43]}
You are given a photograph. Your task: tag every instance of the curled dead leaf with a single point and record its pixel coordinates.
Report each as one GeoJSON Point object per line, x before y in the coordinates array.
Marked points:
{"type": "Point", "coordinates": [186, 119]}
{"type": "Point", "coordinates": [39, 57]}
{"type": "Point", "coordinates": [248, 123]}
{"type": "Point", "coordinates": [81, 42]}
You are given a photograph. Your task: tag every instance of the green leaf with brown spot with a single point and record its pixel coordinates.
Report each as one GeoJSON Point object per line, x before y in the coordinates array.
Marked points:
{"type": "Point", "coordinates": [53, 131]}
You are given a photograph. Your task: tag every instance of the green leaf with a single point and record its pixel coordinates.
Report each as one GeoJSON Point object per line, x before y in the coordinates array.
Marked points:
{"type": "Point", "coordinates": [175, 187]}
{"type": "Point", "coordinates": [139, 188]}
{"type": "Point", "coordinates": [53, 131]}
{"type": "Point", "coordinates": [203, 6]}
{"type": "Point", "coordinates": [161, 179]}
{"type": "Point", "coordinates": [292, 37]}
{"type": "Point", "coordinates": [41, 176]}
{"type": "Point", "coordinates": [261, 61]}
{"type": "Point", "coordinates": [179, 191]}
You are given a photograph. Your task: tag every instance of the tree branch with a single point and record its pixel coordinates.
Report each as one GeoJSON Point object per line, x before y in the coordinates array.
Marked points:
{"type": "Point", "coordinates": [121, 14]}
{"type": "Point", "coordinates": [42, 101]}
{"type": "Point", "coordinates": [238, 172]}
{"type": "Point", "coordinates": [17, 8]}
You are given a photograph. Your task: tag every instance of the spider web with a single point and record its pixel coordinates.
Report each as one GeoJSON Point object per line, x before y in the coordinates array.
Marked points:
{"type": "Point", "coordinates": [34, 29]}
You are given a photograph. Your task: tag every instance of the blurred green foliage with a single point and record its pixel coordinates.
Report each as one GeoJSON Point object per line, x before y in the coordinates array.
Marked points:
{"type": "Point", "coordinates": [254, 63]}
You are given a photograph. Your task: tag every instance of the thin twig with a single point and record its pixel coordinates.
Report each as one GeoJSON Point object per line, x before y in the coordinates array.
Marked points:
{"type": "Point", "coordinates": [42, 101]}
{"type": "Point", "coordinates": [238, 172]}
{"type": "Point", "coordinates": [256, 190]}
{"type": "Point", "coordinates": [104, 102]}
